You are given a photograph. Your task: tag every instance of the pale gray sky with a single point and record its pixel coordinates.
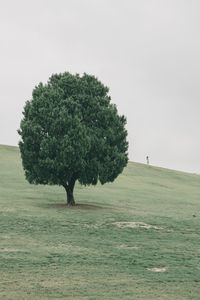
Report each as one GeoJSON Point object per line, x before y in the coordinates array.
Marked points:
{"type": "Point", "coordinates": [146, 51]}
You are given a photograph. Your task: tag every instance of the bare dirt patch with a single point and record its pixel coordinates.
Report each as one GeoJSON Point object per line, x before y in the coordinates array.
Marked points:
{"type": "Point", "coordinates": [136, 225]}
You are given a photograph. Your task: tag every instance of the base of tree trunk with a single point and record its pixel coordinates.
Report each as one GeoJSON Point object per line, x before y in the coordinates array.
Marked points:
{"type": "Point", "coordinates": [70, 198]}
{"type": "Point", "coordinates": [69, 193]}
{"type": "Point", "coordinates": [69, 204]}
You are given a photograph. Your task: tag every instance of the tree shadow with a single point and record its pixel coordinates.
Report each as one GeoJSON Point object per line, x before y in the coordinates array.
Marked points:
{"type": "Point", "coordinates": [78, 206]}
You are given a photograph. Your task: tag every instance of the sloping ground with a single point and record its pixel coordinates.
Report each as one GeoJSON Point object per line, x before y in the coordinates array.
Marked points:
{"type": "Point", "coordinates": [137, 238]}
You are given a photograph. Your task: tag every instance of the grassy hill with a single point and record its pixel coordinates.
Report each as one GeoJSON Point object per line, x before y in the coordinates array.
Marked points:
{"type": "Point", "coordinates": [137, 238]}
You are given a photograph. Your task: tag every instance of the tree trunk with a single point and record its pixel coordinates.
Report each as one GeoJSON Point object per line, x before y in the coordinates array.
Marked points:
{"type": "Point", "coordinates": [69, 188]}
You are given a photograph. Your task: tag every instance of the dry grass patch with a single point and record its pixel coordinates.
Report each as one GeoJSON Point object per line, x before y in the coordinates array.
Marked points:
{"type": "Point", "coordinates": [157, 270]}
{"type": "Point", "coordinates": [136, 225]}
{"type": "Point", "coordinates": [124, 246]}
{"type": "Point", "coordinates": [9, 250]}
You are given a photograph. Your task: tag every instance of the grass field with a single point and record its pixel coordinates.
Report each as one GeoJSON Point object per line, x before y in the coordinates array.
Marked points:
{"type": "Point", "coordinates": [137, 238]}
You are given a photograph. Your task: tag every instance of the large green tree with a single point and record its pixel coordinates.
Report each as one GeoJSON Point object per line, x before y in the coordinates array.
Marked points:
{"type": "Point", "coordinates": [71, 131]}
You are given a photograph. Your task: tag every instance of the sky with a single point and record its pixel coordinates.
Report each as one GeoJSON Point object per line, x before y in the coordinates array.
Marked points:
{"type": "Point", "coordinates": [146, 51]}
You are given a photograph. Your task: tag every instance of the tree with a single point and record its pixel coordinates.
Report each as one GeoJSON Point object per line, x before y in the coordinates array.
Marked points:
{"type": "Point", "coordinates": [71, 131]}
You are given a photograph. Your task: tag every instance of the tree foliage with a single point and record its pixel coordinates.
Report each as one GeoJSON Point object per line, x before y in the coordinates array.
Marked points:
{"type": "Point", "coordinates": [71, 131]}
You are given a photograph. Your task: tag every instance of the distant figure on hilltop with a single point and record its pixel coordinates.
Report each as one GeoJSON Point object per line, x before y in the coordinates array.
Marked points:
{"type": "Point", "coordinates": [147, 158]}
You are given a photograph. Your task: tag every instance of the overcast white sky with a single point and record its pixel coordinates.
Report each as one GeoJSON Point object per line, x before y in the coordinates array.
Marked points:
{"type": "Point", "coordinates": [146, 51]}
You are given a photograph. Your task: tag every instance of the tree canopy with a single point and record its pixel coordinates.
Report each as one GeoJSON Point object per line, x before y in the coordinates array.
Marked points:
{"type": "Point", "coordinates": [71, 131]}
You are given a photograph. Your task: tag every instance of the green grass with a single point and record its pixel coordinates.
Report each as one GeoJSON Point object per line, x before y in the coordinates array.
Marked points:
{"type": "Point", "coordinates": [49, 251]}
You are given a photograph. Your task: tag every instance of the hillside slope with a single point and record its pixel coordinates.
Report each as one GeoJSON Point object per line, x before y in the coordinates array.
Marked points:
{"type": "Point", "coordinates": [137, 238]}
